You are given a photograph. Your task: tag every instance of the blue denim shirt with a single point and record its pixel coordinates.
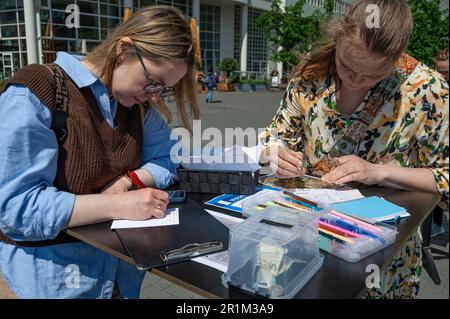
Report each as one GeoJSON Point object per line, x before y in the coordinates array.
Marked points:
{"type": "Point", "coordinates": [32, 209]}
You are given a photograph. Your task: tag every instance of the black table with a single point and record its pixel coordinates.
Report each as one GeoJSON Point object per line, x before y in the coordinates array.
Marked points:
{"type": "Point", "coordinates": [336, 279]}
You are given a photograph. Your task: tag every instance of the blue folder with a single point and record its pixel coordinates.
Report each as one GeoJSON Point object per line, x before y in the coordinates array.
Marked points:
{"type": "Point", "coordinates": [372, 207]}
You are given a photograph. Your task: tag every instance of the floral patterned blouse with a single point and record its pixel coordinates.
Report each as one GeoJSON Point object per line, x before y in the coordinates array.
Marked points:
{"type": "Point", "coordinates": [409, 130]}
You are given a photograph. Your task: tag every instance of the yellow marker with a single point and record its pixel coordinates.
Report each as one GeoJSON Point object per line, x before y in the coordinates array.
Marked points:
{"type": "Point", "coordinates": [323, 230]}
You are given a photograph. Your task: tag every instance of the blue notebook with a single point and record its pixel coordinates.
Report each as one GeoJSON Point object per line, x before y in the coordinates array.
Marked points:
{"type": "Point", "coordinates": [372, 207]}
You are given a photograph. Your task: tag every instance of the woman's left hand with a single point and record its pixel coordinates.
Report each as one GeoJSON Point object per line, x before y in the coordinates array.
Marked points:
{"type": "Point", "coordinates": [354, 169]}
{"type": "Point", "coordinates": [117, 186]}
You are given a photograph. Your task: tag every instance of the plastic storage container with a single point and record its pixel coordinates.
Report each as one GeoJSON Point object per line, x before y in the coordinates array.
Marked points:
{"type": "Point", "coordinates": [267, 197]}
{"type": "Point", "coordinates": [371, 237]}
{"type": "Point", "coordinates": [356, 238]}
{"type": "Point", "coordinates": [274, 253]}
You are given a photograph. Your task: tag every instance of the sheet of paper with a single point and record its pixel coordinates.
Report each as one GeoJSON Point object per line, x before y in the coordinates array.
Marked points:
{"type": "Point", "coordinates": [172, 218]}
{"type": "Point", "coordinates": [227, 220]}
{"type": "Point", "coordinates": [328, 196]}
{"type": "Point", "coordinates": [219, 260]}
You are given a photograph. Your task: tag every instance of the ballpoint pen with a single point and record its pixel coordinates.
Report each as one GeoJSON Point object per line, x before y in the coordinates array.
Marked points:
{"type": "Point", "coordinates": [284, 144]}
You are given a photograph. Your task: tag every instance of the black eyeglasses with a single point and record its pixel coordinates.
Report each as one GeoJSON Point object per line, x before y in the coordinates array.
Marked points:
{"type": "Point", "coordinates": [153, 87]}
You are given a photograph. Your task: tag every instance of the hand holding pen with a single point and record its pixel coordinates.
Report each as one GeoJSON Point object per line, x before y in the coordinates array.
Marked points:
{"type": "Point", "coordinates": [140, 204]}
{"type": "Point", "coordinates": [284, 162]}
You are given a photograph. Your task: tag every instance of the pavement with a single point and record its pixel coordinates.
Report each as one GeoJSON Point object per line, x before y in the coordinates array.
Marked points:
{"type": "Point", "coordinates": [245, 109]}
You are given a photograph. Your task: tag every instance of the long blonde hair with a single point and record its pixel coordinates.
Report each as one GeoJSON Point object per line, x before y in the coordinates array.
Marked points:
{"type": "Point", "coordinates": [162, 33]}
{"type": "Point", "coordinates": [389, 40]}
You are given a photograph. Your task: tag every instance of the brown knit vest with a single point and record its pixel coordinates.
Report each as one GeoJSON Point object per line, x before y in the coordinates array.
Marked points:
{"type": "Point", "coordinates": [94, 153]}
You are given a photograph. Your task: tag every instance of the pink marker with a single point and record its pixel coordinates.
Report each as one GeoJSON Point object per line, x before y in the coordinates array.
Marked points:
{"type": "Point", "coordinates": [339, 229]}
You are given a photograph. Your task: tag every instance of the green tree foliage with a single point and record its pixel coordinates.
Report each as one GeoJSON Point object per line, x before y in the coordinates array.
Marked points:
{"type": "Point", "coordinates": [228, 65]}
{"type": "Point", "coordinates": [430, 34]}
{"type": "Point", "coordinates": [329, 7]}
{"type": "Point", "coordinates": [295, 33]}
{"type": "Point", "coordinates": [291, 30]}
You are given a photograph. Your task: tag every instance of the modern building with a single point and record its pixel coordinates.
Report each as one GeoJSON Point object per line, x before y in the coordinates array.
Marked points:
{"type": "Point", "coordinates": [33, 30]}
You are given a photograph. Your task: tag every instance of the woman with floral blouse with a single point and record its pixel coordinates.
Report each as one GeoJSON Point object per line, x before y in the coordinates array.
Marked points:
{"type": "Point", "coordinates": [358, 109]}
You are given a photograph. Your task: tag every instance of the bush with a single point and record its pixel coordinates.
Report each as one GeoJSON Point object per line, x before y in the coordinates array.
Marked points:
{"type": "Point", "coordinates": [253, 81]}
{"type": "Point", "coordinates": [430, 34]}
{"type": "Point", "coordinates": [228, 65]}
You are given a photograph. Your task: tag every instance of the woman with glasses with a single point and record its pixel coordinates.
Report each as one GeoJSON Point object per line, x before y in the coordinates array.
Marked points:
{"type": "Point", "coordinates": [358, 109]}
{"type": "Point", "coordinates": [72, 133]}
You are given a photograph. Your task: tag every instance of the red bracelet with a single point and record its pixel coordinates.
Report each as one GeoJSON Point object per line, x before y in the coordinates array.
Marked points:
{"type": "Point", "coordinates": [135, 179]}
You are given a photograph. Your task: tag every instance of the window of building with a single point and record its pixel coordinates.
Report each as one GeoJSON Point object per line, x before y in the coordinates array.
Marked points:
{"type": "Point", "coordinates": [210, 36]}
{"type": "Point", "coordinates": [257, 44]}
{"type": "Point", "coordinates": [237, 33]}
{"type": "Point", "coordinates": [8, 4]}
{"type": "Point", "coordinates": [88, 7]}
{"type": "Point", "coordinates": [7, 17]}
{"type": "Point", "coordinates": [183, 5]}
{"type": "Point", "coordinates": [8, 31]}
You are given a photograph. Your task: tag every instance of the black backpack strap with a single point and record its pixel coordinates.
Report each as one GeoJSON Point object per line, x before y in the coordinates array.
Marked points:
{"type": "Point", "coordinates": [59, 114]}
{"type": "Point", "coordinates": [38, 78]}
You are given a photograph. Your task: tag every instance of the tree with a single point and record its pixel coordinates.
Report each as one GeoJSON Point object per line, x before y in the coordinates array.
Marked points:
{"type": "Point", "coordinates": [430, 34]}
{"type": "Point", "coordinates": [291, 30]}
{"type": "Point", "coordinates": [329, 7]}
{"type": "Point", "coordinates": [228, 65]}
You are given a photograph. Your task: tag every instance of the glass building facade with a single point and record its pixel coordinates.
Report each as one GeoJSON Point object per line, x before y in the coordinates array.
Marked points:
{"type": "Point", "coordinates": [210, 36]}
{"type": "Point", "coordinates": [12, 37]}
{"type": "Point", "coordinates": [220, 30]}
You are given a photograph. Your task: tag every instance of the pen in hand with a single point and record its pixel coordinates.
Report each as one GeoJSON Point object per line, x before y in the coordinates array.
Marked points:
{"type": "Point", "coordinates": [285, 154]}
{"type": "Point", "coordinates": [135, 180]}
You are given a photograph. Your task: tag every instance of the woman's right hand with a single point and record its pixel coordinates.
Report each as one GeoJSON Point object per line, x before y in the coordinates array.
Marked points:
{"type": "Point", "coordinates": [284, 162]}
{"type": "Point", "coordinates": [142, 204]}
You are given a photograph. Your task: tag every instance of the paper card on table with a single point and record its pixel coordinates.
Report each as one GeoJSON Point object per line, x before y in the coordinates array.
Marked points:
{"type": "Point", "coordinates": [328, 196]}
{"type": "Point", "coordinates": [171, 218]}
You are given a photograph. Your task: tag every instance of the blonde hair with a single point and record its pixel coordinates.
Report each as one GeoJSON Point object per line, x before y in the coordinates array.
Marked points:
{"type": "Point", "coordinates": [162, 33]}
{"type": "Point", "coordinates": [389, 40]}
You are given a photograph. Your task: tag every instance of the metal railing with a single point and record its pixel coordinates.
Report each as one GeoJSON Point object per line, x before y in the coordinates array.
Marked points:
{"type": "Point", "coordinates": [250, 75]}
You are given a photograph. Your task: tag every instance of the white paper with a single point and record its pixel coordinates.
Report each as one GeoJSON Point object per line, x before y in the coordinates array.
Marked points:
{"type": "Point", "coordinates": [171, 218]}
{"type": "Point", "coordinates": [219, 260]}
{"type": "Point", "coordinates": [328, 196]}
{"type": "Point", "coordinates": [227, 220]}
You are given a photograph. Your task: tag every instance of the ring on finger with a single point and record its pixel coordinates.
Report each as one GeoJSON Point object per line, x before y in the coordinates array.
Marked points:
{"type": "Point", "coordinates": [159, 204]}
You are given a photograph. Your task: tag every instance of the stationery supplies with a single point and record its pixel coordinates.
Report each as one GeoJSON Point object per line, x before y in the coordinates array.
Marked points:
{"type": "Point", "coordinates": [373, 207]}
{"type": "Point", "coordinates": [233, 202]}
{"type": "Point", "coordinates": [196, 234]}
{"type": "Point", "coordinates": [353, 241]}
{"type": "Point", "coordinates": [348, 237]}
{"type": "Point", "coordinates": [171, 218]}
{"type": "Point", "coordinates": [273, 254]}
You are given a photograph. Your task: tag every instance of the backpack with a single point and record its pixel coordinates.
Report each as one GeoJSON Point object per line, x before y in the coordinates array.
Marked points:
{"type": "Point", "coordinates": [60, 106]}
{"type": "Point", "coordinates": [209, 81]}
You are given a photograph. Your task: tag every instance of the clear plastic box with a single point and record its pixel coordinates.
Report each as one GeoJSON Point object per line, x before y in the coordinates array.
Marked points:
{"type": "Point", "coordinates": [274, 253]}
{"type": "Point", "coordinates": [254, 204]}
{"type": "Point", "coordinates": [371, 240]}
{"type": "Point", "coordinates": [362, 237]}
